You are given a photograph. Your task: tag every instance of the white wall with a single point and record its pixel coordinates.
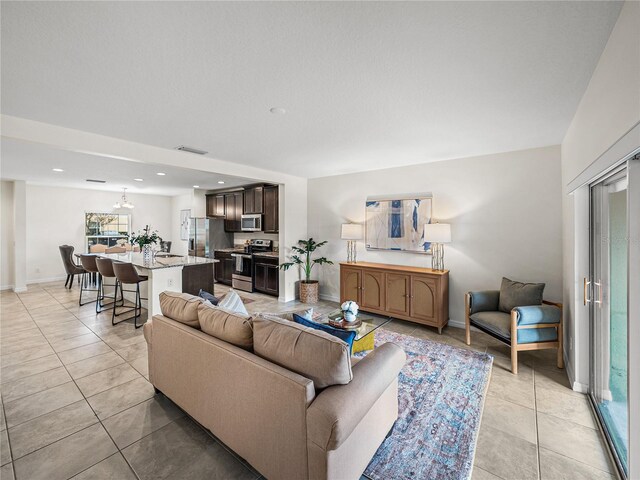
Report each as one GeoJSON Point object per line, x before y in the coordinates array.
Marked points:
{"type": "Point", "coordinates": [6, 235]}
{"type": "Point", "coordinates": [609, 108]}
{"type": "Point", "coordinates": [55, 216]}
{"type": "Point", "coordinates": [504, 212]}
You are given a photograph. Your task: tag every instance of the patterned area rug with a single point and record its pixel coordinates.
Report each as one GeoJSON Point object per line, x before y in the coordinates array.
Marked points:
{"type": "Point", "coordinates": [441, 397]}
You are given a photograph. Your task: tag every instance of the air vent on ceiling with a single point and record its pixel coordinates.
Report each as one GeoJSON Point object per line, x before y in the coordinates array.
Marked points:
{"type": "Point", "coordinates": [184, 148]}
{"type": "Point", "coordinates": [96, 181]}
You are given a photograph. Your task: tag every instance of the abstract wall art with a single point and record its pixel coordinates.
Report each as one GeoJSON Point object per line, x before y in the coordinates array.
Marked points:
{"type": "Point", "coordinates": [397, 223]}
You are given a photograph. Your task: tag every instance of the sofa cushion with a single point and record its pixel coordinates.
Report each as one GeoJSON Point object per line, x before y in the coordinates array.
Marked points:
{"type": "Point", "coordinates": [181, 307]}
{"type": "Point", "coordinates": [231, 327]}
{"type": "Point", "coordinates": [233, 303]}
{"type": "Point", "coordinates": [347, 336]}
{"type": "Point", "coordinates": [518, 294]}
{"type": "Point", "coordinates": [317, 355]}
{"type": "Point", "coordinates": [305, 313]}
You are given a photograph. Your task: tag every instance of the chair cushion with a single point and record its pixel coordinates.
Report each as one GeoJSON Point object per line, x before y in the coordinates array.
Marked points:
{"type": "Point", "coordinates": [518, 294]}
{"type": "Point", "coordinates": [498, 323]}
{"type": "Point", "coordinates": [347, 336]}
{"type": "Point", "coordinates": [317, 355]}
{"type": "Point", "coordinates": [181, 307]}
{"type": "Point", "coordinates": [231, 327]}
{"type": "Point", "coordinates": [233, 302]}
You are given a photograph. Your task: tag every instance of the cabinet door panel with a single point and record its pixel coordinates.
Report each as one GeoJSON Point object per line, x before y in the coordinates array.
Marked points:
{"type": "Point", "coordinates": [350, 283]}
{"type": "Point", "coordinates": [273, 279]}
{"type": "Point", "coordinates": [398, 287]}
{"type": "Point", "coordinates": [260, 277]}
{"type": "Point", "coordinates": [423, 298]}
{"type": "Point", "coordinates": [373, 290]}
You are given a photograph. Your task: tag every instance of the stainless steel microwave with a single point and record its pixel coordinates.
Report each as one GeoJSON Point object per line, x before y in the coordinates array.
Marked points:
{"type": "Point", "coordinates": [251, 223]}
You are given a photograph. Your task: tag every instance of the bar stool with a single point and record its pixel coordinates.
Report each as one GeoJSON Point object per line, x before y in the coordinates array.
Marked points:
{"type": "Point", "coordinates": [105, 268]}
{"type": "Point", "coordinates": [90, 268]}
{"type": "Point", "coordinates": [127, 274]}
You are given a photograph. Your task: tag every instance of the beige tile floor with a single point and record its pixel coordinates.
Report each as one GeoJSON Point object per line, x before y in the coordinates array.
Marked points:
{"type": "Point", "coordinates": [76, 403]}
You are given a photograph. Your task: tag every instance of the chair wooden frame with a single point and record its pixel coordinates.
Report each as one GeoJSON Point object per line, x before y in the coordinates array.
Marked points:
{"type": "Point", "coordinates": [515, 346]}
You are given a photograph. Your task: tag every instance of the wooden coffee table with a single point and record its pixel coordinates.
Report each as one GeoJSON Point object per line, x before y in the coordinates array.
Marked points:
{"type": "Point", "coordinates": [365, 336]}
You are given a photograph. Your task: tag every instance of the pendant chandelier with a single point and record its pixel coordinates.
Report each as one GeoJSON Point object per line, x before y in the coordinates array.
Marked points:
{"type": "Point", "coordinates": [123, 203]}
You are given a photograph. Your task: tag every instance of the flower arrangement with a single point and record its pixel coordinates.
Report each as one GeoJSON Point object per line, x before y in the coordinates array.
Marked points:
{"type": "Point", "coordinates": [145, 237]}
{"type": "Point", "coordinates": [350, 310]}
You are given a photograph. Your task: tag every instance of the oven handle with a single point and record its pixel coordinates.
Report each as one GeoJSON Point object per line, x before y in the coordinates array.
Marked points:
{"type": "Point", "coordinates": [240, 255]}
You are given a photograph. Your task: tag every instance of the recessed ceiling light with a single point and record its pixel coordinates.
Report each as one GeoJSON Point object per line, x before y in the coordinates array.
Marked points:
{"type": "Point", "coordinates": [57, 170]}
{"type": "Point", "coordinates": [221, 182]}
{"type": "Point", "coordinates": [196, 186]}
{"type": "Point", "coordinates": [162, 174]}
{"type": "Point", "coordinates": [138, 179]}
{"type": "Point", "coordinates": [277, 110]}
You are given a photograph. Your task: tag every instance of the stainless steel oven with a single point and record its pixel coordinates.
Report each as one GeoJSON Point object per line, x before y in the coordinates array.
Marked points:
{"type": "Point", "coordinates": [251, 223]}
{"type": "Point", "coordinates": [241, 278]}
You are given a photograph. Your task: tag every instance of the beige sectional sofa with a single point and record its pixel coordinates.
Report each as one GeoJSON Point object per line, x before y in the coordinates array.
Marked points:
{"type": "Point", "coordinates": [272, 416]}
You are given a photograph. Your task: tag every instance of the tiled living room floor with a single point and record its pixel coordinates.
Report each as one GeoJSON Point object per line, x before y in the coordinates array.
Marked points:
{"type": "Point", "coordinates": [76, 403]}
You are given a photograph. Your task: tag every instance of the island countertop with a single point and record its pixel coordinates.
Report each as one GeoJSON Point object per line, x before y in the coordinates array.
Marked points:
{"type": "Point", "coordinates": [158, 262]}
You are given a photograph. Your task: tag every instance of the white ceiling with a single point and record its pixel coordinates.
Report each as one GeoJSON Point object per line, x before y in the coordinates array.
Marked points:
{"type": "Point", "coordinates": [34, 163]}
{"type": "Point", "coordinates": [366, 85]}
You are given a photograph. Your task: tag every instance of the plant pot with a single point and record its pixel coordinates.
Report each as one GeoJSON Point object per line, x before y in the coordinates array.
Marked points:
{"type": "Point", "coordinates": [309, 291]}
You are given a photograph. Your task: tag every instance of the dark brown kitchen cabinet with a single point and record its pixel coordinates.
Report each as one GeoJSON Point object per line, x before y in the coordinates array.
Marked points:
{"type": "Point", "coordinates": [270, 205]}
{"type": "Point", "coordinates": [266, 275]}
{"type": "Point", "coordinates": [224, 268]}
{"type": "Point", "coordinates": [233, 204]}
{"type": "Point", "coordinates": [215, 205]}
{"type": "Point", "coordinates": [253, 200]}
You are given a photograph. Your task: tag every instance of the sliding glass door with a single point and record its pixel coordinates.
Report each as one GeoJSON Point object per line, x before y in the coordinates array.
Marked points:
{"type": "Point", "coordinates": [607, 292]}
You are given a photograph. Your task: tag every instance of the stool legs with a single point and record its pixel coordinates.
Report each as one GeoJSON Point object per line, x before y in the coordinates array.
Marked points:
{"type": "Point", "coordinates": [137, 306]}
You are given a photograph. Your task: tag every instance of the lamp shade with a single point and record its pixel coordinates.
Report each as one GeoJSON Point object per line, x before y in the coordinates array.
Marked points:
{"type": "Point", "coordinates": [437, 233]}
{"type": "Point", "coordinates": [351, 231]}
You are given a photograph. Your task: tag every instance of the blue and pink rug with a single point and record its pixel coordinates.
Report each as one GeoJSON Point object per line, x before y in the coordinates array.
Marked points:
{"type": "Point", "coordinates": [441, 397]}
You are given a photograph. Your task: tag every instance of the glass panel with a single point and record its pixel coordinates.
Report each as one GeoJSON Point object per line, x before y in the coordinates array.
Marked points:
{"type": "Point", "coordinates": [609, 318]}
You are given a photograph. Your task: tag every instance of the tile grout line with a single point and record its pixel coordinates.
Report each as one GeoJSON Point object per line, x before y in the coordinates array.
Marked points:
{"type": "Point", "coordinates": [86, 401]}
{"type": "Point", "coordinates": [535, 404]}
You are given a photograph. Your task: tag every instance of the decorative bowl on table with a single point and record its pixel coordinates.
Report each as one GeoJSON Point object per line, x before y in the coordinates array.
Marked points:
{"type": "Point", "coordinates": [342, 324]}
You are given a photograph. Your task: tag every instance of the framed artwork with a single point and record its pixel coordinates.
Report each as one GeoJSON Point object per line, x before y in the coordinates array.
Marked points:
{"type": "Point", "coordinates": [184, 224]}
{"type": "Point", "coordinates": [397, 223]}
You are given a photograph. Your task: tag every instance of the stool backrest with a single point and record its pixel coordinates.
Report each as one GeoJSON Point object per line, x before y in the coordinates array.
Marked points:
{"type": "Point", "coordinates": [105, 267]}
{"type": "Point", "coordinates": [89, 262]}
{"type": "Point", "coordinates": [126, 272]}
{"type": "Point", "coordinates": [116, 250]}
{"type": "Point", "coordinates": [97, 248]}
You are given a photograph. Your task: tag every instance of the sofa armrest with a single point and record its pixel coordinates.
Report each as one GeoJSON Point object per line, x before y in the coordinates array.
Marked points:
{"type": "Point", "coordinates": [537, 314]}
{"type": "Point", "coordinates": [338, 409]}
{"type": "Point", "coordinates": [484, 301]}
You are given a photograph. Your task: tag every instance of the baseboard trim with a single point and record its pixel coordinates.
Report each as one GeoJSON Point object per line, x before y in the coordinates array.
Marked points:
{"type": "Point", "coordinates": [329, 298]}
{"type": "Point", "coordinates": [6, 287]}
{"type": "Point", "coordinates": [20, 289]}
{"type": "Point", "coordinates": [46, 280]}
{"type": "Point", "coordinates": [457, 324]}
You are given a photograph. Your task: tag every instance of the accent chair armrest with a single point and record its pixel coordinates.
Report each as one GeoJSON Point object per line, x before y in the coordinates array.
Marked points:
{"type": "Point", "coordinates": [338, 409]}
{"type": "Point", "coordinates": [484, 301]}
{"type": "Point", "coordinates": [538, 314]}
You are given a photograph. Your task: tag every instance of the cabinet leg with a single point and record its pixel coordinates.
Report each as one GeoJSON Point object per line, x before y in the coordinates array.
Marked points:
{"type": "Point", "coordinates": [440, 330]}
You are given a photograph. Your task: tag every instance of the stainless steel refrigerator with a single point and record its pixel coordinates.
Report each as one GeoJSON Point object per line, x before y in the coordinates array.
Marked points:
{"type": "Point", "coordinates": [207, 234]}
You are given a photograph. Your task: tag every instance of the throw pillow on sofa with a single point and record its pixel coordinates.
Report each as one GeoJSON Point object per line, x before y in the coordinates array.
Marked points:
{"type": "Point", "coordinates": [304, 313]}
{"type": "Point", "coordinates": [231, 327]}
{"type": "Point", "coordinates": [213, 300]}
{"type": "Point", "coordinates": [181, 307]}
{"type": "Point", "coordinates": [233, 303]}
{"type": "Point", "coordinates": [347, 336]}
{"type": "Point", "coordinates": [517, 294]}
{"type": "Point", "coordinates": [316, 355]}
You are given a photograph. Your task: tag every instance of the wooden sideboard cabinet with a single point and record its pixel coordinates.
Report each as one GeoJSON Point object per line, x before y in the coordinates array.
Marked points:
{"type": "Point", "coordinates": [416, 294]}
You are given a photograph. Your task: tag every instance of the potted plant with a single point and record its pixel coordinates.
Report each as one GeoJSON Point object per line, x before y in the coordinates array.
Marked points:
{"type": "Point", "coordinates": [302, 257]}
{"type": "Point", "coordinates": [145, 239]}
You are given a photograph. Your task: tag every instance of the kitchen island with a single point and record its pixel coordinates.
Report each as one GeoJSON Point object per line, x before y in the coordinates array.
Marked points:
{"type": "Point", "coordinates": [175, 273]}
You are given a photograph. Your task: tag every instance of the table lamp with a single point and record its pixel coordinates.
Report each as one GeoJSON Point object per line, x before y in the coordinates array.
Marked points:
{"type": "Point", "coordinates": [351, 232]}
{"type": "Point", "coordinates": [437, 234]}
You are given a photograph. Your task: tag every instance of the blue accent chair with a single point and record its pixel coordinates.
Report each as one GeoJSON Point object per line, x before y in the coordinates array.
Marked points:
{"type": "Point", "coordinates": [534, 327]}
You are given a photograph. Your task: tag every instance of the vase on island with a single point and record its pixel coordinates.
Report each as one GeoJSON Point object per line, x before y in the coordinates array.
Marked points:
{"type": "Point", "coordinates": [147, 254]}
